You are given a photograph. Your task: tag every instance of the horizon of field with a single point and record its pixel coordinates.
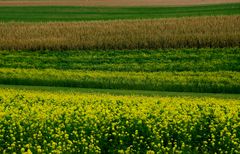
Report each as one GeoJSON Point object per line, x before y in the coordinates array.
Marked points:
{"type": "Point", "coordinates": [78, 13]}
{"type": "Point", "coordinates": [112, 2]}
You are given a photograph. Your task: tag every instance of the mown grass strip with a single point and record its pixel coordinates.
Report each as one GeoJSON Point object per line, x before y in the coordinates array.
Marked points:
{"type": "Point", "coordinates": [76, 13]}
{"type": "Point", "coordinates": [203, 60]}
{"type": "Point", "coordinates": [212, 82]}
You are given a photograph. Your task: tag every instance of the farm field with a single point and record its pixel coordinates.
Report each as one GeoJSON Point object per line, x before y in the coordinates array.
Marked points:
{"type": "Point", "coordinates": [95, 123]}
{"type": "Point", "coordinates": [80, 13]}
{"type": "Point", "coordinates": [144, 60]}
{"type": "Point", "coordinates": [189, 32]}
{"type": "Point", "coordinates": [182, 70]}
{"type": "Point", "coordinates": [109, 77]}
{"type": "Point", "coordinates": [213, 82]}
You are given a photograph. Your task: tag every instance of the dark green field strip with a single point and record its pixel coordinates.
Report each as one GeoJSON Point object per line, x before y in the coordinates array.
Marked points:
{"type": "Point", "coordinates": [209, 82]}
{"type": "Point", "coordinates": [75, 13]}
{"type": "Point", "coordinates": [226, 59]}
{"type": "Point", "coordinates": [115, 92]}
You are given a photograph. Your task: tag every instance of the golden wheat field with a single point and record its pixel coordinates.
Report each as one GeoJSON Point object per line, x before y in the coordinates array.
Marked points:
{"type": "Point", "coordinates": [219, 31]}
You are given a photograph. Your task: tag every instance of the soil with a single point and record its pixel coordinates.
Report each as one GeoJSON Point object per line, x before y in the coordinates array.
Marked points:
{"type": "Point", "coordinates": [111, 2]}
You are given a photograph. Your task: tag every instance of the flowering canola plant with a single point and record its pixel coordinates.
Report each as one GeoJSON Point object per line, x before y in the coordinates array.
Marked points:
{"type": "Point", "coordinates": [55, 122]}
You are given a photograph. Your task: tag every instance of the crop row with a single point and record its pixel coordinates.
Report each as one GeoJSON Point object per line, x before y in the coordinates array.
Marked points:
{"type": "Point", "coordinates": [204, 60]}
{"type": "Point", "coordinates": [44, 122]}
{"type": "Point", "coordinates": [198, 32]}
{"type": "Point", "coordinates": [221, 82]}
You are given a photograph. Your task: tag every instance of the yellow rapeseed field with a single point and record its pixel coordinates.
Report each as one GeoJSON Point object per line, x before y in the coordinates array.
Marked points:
{"type": "Point", "coordinates": [54, 122]}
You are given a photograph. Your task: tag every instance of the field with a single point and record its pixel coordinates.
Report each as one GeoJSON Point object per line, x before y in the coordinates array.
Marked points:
{"type": "Point", "coordinates": [145, 60]}
{"type": "Point", "coordinates": [189, 70]}
{"type": "Point", "coordinates": [189, 32]}
{"type": "Point", "coordinates": [80, 13]}
{"type": "Point", "coordinates": [114, 77]}
{"type": "Point", "coordinates": [44, 122]}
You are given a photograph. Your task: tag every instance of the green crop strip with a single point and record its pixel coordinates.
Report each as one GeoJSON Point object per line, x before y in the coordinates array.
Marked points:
{"type": "Point", "coordinates": [213, 82]}
{"type": "Point", "coordinates": [180, 70]}
{"type": "Point", "coordinates": [203, 60]}
{"type": "Point", "coordinates": [75, 13]}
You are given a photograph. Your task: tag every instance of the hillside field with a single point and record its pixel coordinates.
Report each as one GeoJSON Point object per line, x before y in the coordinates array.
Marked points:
{"type": "Point", "coordinates": [115, 77]}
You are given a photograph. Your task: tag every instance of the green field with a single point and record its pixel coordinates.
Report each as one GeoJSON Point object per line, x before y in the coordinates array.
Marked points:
{"type": "Point", "coordinates": [170, 60]}
{"type": "Point", "coordinates": [179, 70]}
{"type": "Point", "coordinates": [75, 13]}
{"type": "Point", "coordinates": [215, 82]}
